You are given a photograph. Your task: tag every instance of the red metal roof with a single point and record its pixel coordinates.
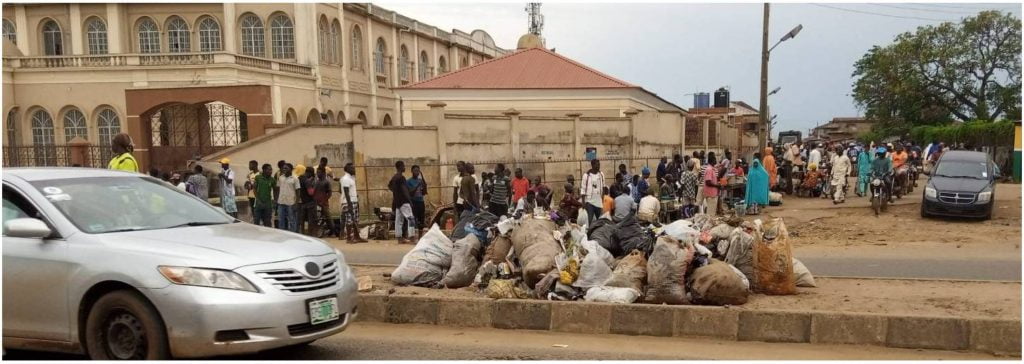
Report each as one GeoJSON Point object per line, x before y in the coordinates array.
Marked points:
{"type": "Point", "coordinates": [534, 68]}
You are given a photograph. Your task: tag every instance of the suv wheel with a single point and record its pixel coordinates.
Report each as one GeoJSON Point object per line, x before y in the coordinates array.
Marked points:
{"type": "Point", "coordinates": [123, 325]}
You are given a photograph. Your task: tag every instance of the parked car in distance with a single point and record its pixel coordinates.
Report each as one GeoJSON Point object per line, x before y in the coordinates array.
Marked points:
{"type": "Point", "coordinates": [961, 184]}
{"type": "Point", "coordinates": [119, 265]}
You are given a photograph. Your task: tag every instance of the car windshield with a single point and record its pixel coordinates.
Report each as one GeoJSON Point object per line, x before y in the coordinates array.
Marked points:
{"type": "Point", "coordinates": [110, 204]}
{"type": "Point", "coordinates": [963, 169]}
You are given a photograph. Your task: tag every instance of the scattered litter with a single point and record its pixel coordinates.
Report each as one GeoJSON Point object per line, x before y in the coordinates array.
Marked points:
{"type": "Point", "coordinates": [559, 346]}
{"type": "Point", "coordinates": [365, 284]}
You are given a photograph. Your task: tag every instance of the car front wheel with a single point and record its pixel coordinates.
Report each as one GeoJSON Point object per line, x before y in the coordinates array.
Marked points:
{"type": "Point", "coordinates": [122, 325]}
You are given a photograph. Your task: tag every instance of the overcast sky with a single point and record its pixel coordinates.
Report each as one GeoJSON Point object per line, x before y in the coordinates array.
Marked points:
{"type": "Point", "coordinates": [678, 49]}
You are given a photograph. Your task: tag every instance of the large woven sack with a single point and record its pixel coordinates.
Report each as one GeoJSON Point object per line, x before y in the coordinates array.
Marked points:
{"type": "Point", "coordinates": [717, 284]}
{"type": "Point", "coordinates": [631, 272]}
{"type": "Point", "coordinates": [464, 263]}
{"type": "Point", "coordinates": [802, 275]}
{"type": "Point", "coordinates": [536, 248]}
{"type": "Point", "coordinates": [666, 271]}
{"type": "Point", "coordinates": [773, 259]}
{"type": "Point", "coordinates": [425, 264]}
{"type": "Point", "coordinates": [498, 250]}
{"type": "Point", "coordinates": [611, 295]}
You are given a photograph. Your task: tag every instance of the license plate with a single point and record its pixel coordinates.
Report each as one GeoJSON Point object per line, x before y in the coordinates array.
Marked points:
{"type": "Point", "coordinates": [323, 310]}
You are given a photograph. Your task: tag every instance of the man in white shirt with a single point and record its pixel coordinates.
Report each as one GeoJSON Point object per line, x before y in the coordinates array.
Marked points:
{"type": "Point", "coordinates": [287, 195]}
{"type": "Point", "coordinates": [649, 208]}
{"type": "Point", "coordinates": [456, 183]}
{"type": "Point", "coordinates": [227, 188]}
{"type": "Point", "coordinates": [350, 205]}
{"type": "Point", "coordinates": [814, 156]}
{"type": "Point", "coordinates": [592, 190]}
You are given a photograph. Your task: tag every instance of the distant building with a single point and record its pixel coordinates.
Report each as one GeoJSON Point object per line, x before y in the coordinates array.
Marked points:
{"type": "Point", "coordinates": [842, 129]}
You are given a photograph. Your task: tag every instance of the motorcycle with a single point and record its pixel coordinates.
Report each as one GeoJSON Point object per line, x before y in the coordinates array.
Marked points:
{"type": "Point", "coordinates": [880, 193]}
{"type": "Point", "coordinates": [901, 182]}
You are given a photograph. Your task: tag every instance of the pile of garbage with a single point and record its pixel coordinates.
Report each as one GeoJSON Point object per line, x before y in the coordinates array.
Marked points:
{"type": "Point", "coordinates": [700, 260]}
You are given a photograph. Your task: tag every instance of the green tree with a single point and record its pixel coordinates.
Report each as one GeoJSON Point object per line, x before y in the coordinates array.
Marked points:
{"type": "Point", "coordinates": [965, 71]}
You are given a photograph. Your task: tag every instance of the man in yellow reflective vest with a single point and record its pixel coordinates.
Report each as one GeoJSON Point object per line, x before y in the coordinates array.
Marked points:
{"type": "Point", "coordinates": [123, 147]}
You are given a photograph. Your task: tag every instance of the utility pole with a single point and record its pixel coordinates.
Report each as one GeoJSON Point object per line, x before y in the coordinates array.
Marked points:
{"type": "Point", "coordinates": [762, 124]}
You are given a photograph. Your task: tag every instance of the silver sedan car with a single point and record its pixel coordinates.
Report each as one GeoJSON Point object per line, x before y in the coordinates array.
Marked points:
{"type": "Point", "coordinates": [124, 266]}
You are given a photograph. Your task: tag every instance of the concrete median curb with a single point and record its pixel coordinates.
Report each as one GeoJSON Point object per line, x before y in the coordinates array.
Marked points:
{"type": "Point", "coordinates": [996, 336]}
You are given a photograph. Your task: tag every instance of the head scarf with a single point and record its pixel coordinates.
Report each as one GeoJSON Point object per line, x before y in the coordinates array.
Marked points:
{"type": "Point", "coordinates": [757, 184]}
{"type": "Point", "coordinates": [121, 143]}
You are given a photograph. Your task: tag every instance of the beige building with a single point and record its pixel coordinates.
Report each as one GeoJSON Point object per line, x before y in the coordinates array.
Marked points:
{"type": "Point", "coordinates": [842, 129]}
{"type": "Point", "coordinates": [190, 79]}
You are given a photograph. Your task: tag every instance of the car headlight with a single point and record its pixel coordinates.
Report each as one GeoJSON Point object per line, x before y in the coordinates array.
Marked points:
{"type": "Point", "coordinates": [205, 277]}
{"type": "Point", "coordinates": [931, 192]}
{"type": "Point", "coordinates": [341, 257]}
{"type": "Point", "coordinates": [985, 196]}
{"type": "Point", "coordinates": [876, 182]}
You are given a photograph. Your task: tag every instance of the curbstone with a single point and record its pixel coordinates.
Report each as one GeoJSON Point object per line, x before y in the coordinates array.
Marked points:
{"type": "Point", "coordinates": [521, 314]}
{"type": "Point", "coordinates": [843, 328]}
{"type": "Point", "coordinates": [709, 321]}
{"type": "Point", "coordinates": [995, 336]}
{"type": "Point", "coordinates": [412, 310]}
{"type": "Point", "coordinates": [581, 317]}
{"type": "Point", "coordinates": [927, 333]}
{"type": "Point", "coordinates": [372, 308]}
{"type": "Point", "coordinates": [465, 312]}
{"type": "Point", "coordinates": [774, 326]}
{"type": "Point", "coordinates": [642, 319]}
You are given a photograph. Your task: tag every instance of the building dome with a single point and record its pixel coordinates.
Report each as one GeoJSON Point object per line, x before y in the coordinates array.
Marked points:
{"type": "Point", "coordinates": [530, 40]}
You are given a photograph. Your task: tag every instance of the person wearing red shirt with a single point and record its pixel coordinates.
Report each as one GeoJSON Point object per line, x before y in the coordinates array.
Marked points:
{"type": "Point", "coordinates": [520, 185]}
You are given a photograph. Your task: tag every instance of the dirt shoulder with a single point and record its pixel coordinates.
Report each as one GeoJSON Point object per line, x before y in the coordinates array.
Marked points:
{"type": "Point", "coordinates": [877, 296]}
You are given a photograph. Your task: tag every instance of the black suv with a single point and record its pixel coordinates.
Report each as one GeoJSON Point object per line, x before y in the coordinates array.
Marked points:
{"type": "Point", "coordinates": [961, 184]}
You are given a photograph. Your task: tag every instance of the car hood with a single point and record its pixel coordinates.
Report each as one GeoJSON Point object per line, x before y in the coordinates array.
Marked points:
{"type": "Point", "coordinates": [944, 184]}
{"type": "Point", "coordinates": [226, 246]}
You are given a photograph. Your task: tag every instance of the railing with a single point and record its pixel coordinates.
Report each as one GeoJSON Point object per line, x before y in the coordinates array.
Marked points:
{"type": "Point", "coordinates": [159, 59]}
{"type": "Point", "coordinates": [37, 156]}
{"type": "Point", "coordinates": [175, 59]}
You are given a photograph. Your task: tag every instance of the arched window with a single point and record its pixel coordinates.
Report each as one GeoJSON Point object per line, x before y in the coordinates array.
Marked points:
{"type": "Point", "coordinates": [442, 65]}
{"type": "Point", "coordinates": [282, 37]}
{"type": "Point", "coordinates": [109, 125]}
{"type": "Point", "coordinates": [42, 128]}
{"type": "Point", "coordinates": [387, 120]}
{"type": "Point", "coordinates": [10, 32]}
{"type": "Point", "coordinates": [252, 36]}
{"type": "Point", "coordinates": [96, 36]}
{"type": "Point", "coordinates": [13, 129]}
{"type": "Point", "coordinates": [289, 117]}
{"type": "Point", "coordinates": [323, 32]}
{"type": "Point", "coordinates": [463, 63]}
{"type": "Point", "coordinates": [336, 42]}
{"type": "Point", "coordinates": [378, 57]}
{"type": "Point", "coordinates": [424, 66]}
{"type": "Point", "coordinates": [403, 63]}
{"type": "Point", "coordinates": [53, 40]}
{"type": "Point", "coordinates": [209, 35]}
{"type": "Point", "coordinates": [74, 125]}
{"type": "Point", "coordinates": [357, 46]}
{"type": "Point", "coordinates": [149, 36]}
{"type": "Point", "coordinates": [362, 117]}
{"type": "Point", "coordinates": [178, 36]}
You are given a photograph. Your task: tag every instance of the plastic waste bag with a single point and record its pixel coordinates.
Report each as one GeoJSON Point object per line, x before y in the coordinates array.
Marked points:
{"type": "Point", "coordinates": [593, 272]}
{"type": "Point", "coordinates": [612, 295]}
{"type": "Point", "coordinates": [802, 275]}
{"type": "Point", "coordinates": [717, 284]}
{"type": "Point", "coordinates": [773, 259]}
{"type": "Point", "coordinates": [603, 232]}
{"type": "Point", "coordinates": [631, 272]}
{"type": "Point", "coordinates": [592, 247]}
{"type": "Point", "coordinates": [464, 264]}
{"type": "Point", "coordinates": [505, 288]}
{"type": "Point", "coordinates": [666, 271]}
{"type": "Point", "coordinates": [682, 230]}
{"type": "Point", "coordinates": [738, 251]}
{"type": "Point", "coordinates": [426, 263]}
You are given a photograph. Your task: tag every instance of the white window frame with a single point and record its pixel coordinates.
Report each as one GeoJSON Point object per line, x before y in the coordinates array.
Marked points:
{"type": "Point", "coordinates": [282, 37]}
{"type": "Point", "coordinates": [10, 31]}
{"type": "Point", "coordinates": [253, 43]}
{"type": "Point", "coordinates": [96, 36]}
{"type": "Point", "coordinates": [424, 66]}
{"type": "Point", "coordinates": [108, 125]}
{"type": "Point", "coordinates": [53, 39]}
{"type": "Point", "coordinates": [148, 33]}
{"type": "Point", "coordinates": [357, 46]}
{"type": "Point", "coordinates": [179, 36]}
{"type": "Point", "coordinates": [42, 128]}
{"type": "Point", "coordinates": [75, 125]}
{"type": "Point", "coordinates": [209, 35]}
{"type": "Point", "coordinates": [380, 50]}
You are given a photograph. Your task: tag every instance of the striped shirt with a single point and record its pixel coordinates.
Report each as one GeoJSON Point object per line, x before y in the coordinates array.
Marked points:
{"type": "Point", "coordinates": [499, 190]}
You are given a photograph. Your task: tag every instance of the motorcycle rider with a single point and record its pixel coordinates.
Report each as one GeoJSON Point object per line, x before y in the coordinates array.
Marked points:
{"type": "Point", "coordinates": [900, 166]}
{"type": "Point", "coordinates": [881, 168]}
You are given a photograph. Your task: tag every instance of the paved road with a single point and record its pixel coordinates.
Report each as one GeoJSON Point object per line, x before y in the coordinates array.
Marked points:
{"type": "Point", "coordinates": [820, 263]}
{"type": "Point", "coordinates": [377, 341]}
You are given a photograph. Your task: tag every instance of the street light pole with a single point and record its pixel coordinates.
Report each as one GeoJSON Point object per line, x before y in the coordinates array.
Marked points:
{"type": "Point", "coordinates": [763, 109]}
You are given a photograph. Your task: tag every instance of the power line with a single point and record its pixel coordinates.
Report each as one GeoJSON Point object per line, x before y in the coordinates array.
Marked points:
{"type": "Point", "coordinates": [963, 12]}
{"type": "Point", "coordinates": [951, 6]}
{"type": "Point", "coordinates": [882, 14]}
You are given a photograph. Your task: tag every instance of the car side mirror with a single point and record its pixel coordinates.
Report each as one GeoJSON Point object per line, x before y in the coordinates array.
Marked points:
{"type": "Point", "coordinates": [27, 228]}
